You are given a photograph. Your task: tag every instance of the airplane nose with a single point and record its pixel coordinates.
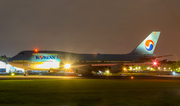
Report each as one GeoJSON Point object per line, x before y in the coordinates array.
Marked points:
{"type": "Point", "coordinates": [10, 60]}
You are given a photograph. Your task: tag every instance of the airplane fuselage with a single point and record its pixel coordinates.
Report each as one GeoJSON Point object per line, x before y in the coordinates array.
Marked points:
{"type": "Point", "coordinates": [45, 60]}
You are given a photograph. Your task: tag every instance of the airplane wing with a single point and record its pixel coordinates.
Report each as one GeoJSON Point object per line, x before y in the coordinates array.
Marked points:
{"type": "Point", "coordinates": [152, 58]}
{"type": "Point", "coordinates": [163, 56]}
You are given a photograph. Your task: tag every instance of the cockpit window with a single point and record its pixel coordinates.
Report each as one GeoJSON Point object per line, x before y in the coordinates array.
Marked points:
{"type": "Point", "coordinates": [21, 53]}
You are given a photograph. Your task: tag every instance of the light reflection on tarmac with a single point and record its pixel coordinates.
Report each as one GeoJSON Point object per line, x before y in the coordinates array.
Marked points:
{"type": "Point", "coordinates": [6, 77]}
{"type": "Point", "coordinates": [38, 77]}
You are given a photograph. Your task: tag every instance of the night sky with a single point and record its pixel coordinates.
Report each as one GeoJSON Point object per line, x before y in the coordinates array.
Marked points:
{"type": "Point", "coordinates": [88, 26]}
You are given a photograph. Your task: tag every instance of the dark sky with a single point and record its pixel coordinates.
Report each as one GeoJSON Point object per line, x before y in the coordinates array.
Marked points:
{"type": "Point", "coordinates": [88, 26]}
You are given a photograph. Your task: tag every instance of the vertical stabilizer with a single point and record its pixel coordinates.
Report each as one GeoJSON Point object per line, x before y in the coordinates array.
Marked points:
{"type": "Point", "coordinates": [148, 45]}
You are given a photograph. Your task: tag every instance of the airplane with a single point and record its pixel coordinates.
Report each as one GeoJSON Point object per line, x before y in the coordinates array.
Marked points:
{"type": "Point", "coordinates": [58, 60]}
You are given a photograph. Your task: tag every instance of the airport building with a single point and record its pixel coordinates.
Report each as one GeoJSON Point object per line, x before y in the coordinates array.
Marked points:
{"type": "Point", "coordinates": [7, 68]}
{"type": "Point", "coordinates": [4, 68]}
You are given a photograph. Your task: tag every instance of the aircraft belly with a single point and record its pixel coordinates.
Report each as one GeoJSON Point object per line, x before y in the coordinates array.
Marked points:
{"type": "Point", "coordinates": [22, 65]}
{"type": "Point", "coordinates": [44, 65]}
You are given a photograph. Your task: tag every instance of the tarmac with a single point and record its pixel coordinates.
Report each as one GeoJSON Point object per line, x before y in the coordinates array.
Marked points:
{"type": "Point", "coordinates": [21, 77]}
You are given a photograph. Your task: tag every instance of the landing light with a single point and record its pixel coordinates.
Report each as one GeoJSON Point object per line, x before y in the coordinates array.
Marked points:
{"type": "Point", "coordinates": [67, 66]}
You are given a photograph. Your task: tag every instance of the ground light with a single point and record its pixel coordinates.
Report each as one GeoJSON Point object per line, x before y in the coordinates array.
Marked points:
{"type": "Point", "coordinates": [12, 74]}
{"type": "Point", "coordinates": [130, 68]}
{"type": "Point", "coordinates": [107, 71]}
{"type": "Point", "coordinates": [132, 77]}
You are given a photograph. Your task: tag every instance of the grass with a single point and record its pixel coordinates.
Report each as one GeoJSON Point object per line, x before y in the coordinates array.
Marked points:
{"type": "Point", "coordinates": [89, 92]}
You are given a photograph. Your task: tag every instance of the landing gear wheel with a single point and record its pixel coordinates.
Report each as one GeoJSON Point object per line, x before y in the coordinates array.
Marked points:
{"type": "Point", "coordinates": [25, 74]}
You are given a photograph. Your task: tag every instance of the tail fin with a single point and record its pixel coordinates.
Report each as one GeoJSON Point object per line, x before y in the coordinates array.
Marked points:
{"type": "Point", "coordinates": [148, 45]}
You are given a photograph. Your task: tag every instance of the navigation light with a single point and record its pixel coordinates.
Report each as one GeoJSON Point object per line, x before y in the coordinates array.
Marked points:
{"type": "Point", "coordinates": [154, 63]}
{"type": "Point", "coordinates": [36, 50]}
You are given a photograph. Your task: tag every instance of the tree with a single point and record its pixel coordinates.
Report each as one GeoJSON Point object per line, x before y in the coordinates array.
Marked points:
{"type": "Point", "coordinates": [4, 58]}
{"type": "Point", "coordinates": [175, 66]}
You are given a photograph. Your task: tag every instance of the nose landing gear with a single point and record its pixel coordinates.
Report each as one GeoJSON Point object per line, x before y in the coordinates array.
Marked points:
{"type": "Point", "coordinates": [25, 73]}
